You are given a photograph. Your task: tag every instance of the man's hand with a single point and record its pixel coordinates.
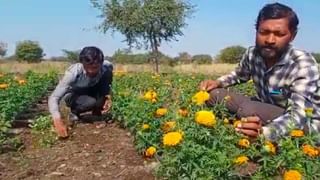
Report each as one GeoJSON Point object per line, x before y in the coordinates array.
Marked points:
{"type": "Point", "coordinates": [250, 126]}
{"type": "Point", "coordinates": [60, 128]}
{"type": "Point", "coordinates": [107, 104]}
{"type": "Point", "coordinates": [208, 85]}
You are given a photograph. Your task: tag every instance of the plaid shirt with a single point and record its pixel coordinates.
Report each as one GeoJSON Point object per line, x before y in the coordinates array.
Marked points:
{"type": "Point", "coordinates": [292, 83]}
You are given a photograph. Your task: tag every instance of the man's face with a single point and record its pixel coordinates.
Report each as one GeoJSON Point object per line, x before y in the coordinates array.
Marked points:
{"type": "Point", "coordinates": [92, 69]}
{"type": "Point", "coordinates": [273, 37]}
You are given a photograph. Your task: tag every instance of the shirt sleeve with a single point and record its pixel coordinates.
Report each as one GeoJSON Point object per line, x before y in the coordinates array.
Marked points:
{"type": "Point", "coordinates": [240, 74]}
{"type": "Point", "coordinates": [304, 86]}
{"type": "Point", "coordinates": [106, 79]}
{"type": "Point", "coordinates": [62, 88]}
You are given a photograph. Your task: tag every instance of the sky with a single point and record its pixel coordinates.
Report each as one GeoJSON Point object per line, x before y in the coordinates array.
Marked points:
{"type": "Point", "coordinates": [215, 24]}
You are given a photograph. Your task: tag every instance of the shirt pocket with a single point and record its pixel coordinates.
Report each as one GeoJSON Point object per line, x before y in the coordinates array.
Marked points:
{"type": "Point", "coordinates": [279, 97]}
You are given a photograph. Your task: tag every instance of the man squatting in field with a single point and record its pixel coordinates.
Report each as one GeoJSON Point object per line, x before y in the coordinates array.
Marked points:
{"type": "Point", "coordinates": [286, 80]}
{"type": "Point", "coordinates": [84, 87]}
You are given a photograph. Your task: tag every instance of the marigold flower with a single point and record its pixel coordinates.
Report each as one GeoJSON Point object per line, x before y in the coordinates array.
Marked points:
{"type": "Point", "coordinates": [150, 96]}
{"type": "Point", "coordinates": [296, 133]}
{"type": "Point", "coordinates": [241, 160]}
{"type": "Point", "coordinates": [244, 143]}
{"type": "Point", "coordinates": [1, 75]}
{"type": "Point", "coordinates": [183, 112]}
{"type": "Point", "coordinates": [172, 138]}
{"type": "Point", "coordinates": [236, 123]}
{"type": "Point", "coordinates": [309, 112]}
{"type": "Point", "coordinates": [200, 97]}
{"type": "Point", "coordinates": [4, 86]}
{"type": "Point", "coordinates": [161, 112]}
{"type": "Point", "coordinates": [227, 98]}
{"type": "Point", "coordinates": [22, 81]}
{"type": "Point", "coordinates": [269, 147]}
{"type": "Point", "coordinates": [310, 151]}
{"type": "Point", "coordinates": [150, 151]}
{"type": "Point", "coordinates": [168, 126]}
{"type": "Point", "coordinates": [145, 126]}
{"type": "Point", "coordinates": [292, 175]}
{"type": "Point", "coordinates": [226, 121]}
{"type": "Point", "coordinates": [206, 118]}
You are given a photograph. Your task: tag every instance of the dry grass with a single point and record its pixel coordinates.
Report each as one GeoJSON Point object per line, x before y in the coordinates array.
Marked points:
{"type": "Point", "coordinates": [60, 67]}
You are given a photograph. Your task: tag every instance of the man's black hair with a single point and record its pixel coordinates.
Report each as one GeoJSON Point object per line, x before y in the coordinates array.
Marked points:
{"type": "Point", "coordinates": [91, 54]}
{"type": "Point", "coordinates": [277, 11]}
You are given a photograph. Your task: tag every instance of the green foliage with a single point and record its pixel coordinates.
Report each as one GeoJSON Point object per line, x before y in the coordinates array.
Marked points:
{"type": "Point", "coordinates": [316, 56]}
{"type": "Point", "coordinates": [202, 59]}
{"type": "Point", "coordinates": [232, 54]}
{"type": "Point", "coordinates": [144, 22]}
{"type": "Point", "coordinates": [3, 49]}
{"type": "Point", "coordinates": [71, 56]}
{"type": "Point", "coordinates": [126, 57]}
{"type": "Point", "coordinates": [42, 130]}
{"type": "Point", "coordinates": [184, 58]}
{"type": "Point", "coordinates": [29, 51]}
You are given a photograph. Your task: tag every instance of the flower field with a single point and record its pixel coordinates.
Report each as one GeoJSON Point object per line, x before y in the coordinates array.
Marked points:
{"type": "Point", "coordinates": [18, 92]}
{"type": "Point", "coordinates": [173, 126]}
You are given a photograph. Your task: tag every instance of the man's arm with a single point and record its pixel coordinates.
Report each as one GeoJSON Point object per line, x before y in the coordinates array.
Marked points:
{"type": "Point", "coordinates": [304, 86]}
{"type": "Point", "coordinates": [240, 74]}
{"type": "Point", "coordinates": [61, 89]}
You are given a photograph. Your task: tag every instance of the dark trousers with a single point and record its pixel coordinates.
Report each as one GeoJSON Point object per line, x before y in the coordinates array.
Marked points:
{"type": "Point", "coordinates": [244, 106]}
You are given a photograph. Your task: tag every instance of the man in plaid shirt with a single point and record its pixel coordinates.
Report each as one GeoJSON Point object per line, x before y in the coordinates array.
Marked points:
{"type": "Point", "coordinates": [286, 80]}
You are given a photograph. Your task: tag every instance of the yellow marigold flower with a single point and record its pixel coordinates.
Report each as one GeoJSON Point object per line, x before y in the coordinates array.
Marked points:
{"type": "Point", "coordinates": [161, 112]}
{"type": "Point", "coordinates": [245, 143]}
{"type": "Point", "coordinates": [183, 112]}
{"type": "Point", "coordinates": [269, 147]}
{"type": "Point", "coordinates": [250, 81]}
{"type": "Point", "coordinates": [150, 151]}
{"type": "Point", "coordinates": [241, 160]}
{"type": "Point", "coordinates": [200, 97]}
{"type": "Point", "coordinates": [236, 123]}
{"type": "Point", "coordinates": [296, 133]}
{"type": "Point", "coordinates": [227, 98]}
{"type": "Point", "coordinates": [4, 86]}
{"type": "Point", "coordinates": [145, 126]}
{"type": "Point", "coordinates": [292, 175]}
{"type": "Point", "coordinates": [168, 126]}
{"type": "Point", "coordinates": [22, 81]}
{"type": "Point", "coordinates": [150, 95]}
{"type": "Point", "coordinates": [310, 151]}
{"type": "Point", "coordinates": [206, 118]}
{"type": "Point", "coordinates": [172, 138]}
{"type": "Point", "coordinates": [309, 112]}
{"type": "Point", "coordinates": [226, 121]}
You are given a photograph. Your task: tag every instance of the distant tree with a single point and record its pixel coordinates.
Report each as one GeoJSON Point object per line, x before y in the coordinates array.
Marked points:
{"type": "Point", "coordinates": [3, 49]}
{"type": "Point", "coordinates": [184, 58]}
{"type": "Point", "coordinates": [71, 56]}
{"type": "Point", "coordinates": [144, 22]}
{"type": "Point", "coordinates": [202, 59]}
{"type": "Point", "coordinates": [316, 56]}
{"type": "Point", "coordinates": [232, 54]}
{"type": "Point", "coordinates": [29, 51]}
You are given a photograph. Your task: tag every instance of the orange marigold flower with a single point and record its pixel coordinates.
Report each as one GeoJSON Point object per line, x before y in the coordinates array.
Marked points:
{"type": "Point", "coordinates": [183, 112]}
{"type": "Point", "coordinates": [22, 81]}
{"type": "Point", "coordinates": [200, 97]}
{"type": "Point", "coordinates": [244, 143]}
{"type": "Point", "coordinates": [236, 123]}
{"type": "Point", "coordinates": [310, 151]}
{"type": "Point", "coordinates": [150, 96]}
{"type": "Point", "coordinates": [172, 138]}
{"type": "Point", "coordinates": [161, 112]}
{"type": "Point", "coordinates": [296, 133]}
{"type": "Point", "coordinates": [4, 86]}
{"type": "Point", "coordinates": [206, 118]}
{"type": "Point", "coordinates": [292, 175]}
{"type": "Point", "coordinates": [150, 151]}
{"type": "Point", "coordinates": [145, 126]}
{"type": "Point", "coordinates": [269, 147]}
{"type": "Point", "coordinates": [241, 160]}
{"type": "Point", "coordinates": [168, 126]}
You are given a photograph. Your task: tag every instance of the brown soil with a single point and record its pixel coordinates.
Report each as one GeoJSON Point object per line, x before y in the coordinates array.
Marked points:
{"type": "Point", "coordinates": [97, 150]}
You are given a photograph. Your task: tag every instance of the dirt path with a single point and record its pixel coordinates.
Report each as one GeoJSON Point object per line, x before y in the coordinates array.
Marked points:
{"type": "Point", "coordinates": [92, 152]}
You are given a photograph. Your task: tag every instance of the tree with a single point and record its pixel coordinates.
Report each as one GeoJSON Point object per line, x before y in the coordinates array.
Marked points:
{"type": "Point", "coordinates": [3, 49]}
{"type": "Point", "coordinates": [232, 54]}
{"type": "Point", "coordinates": [316, 56]}
{"type": "Point", "coordinates": [29, 51]}
{"type": "Point", "coordinates": [71, 56]}
{"type": "Point", "coordinates": [184, 58]}
{"type": "Point", "coordinates": [144, 22]}
{"type": "Point", "coordinates": [202, 59]}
